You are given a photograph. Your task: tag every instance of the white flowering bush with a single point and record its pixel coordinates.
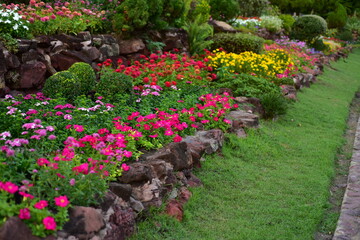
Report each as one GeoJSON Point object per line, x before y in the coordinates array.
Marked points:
{"type": "Point", "coordinates": [271, 23]}
{"type": "Point", "coordinates": [12, 23]}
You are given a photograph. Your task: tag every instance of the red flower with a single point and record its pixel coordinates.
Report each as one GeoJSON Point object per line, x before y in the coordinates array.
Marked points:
{"type": "Point", "coordinates": [61, 201]}
{"type": "Point", "coordinates": [49, 223]}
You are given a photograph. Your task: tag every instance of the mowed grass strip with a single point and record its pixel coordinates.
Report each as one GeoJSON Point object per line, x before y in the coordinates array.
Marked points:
{"type": "Point", "coordinates": [275, 183]}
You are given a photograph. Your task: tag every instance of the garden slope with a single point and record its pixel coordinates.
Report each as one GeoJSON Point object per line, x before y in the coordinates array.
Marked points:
{"type": "Point", "coordinates": [275, 183]}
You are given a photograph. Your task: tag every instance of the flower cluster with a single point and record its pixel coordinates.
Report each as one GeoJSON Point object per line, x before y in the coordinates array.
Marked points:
{"type": "Point", "coordinates": [58, 17]}
{"type": "Point", "coordinates": [12, 23]}
{"type": "Point", "coordinates": [165, 70]}
{"type": "Point", "coordinates": [271, 64]}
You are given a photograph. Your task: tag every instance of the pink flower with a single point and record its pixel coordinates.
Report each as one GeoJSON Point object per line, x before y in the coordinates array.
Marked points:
{"type": "Point", "coordinates": [49, 223]}
{"type": "Point", "coordinates": [41, 204]}
{"type": "Point", "coordinates": [125, 167]}
{"type": "Point", "coordinates": [42, 161]}
{"type": "Point", "coordinates": [24, 213]}
{"type": "Point", "coordinates": [10, 187]}
{"type": "Point", "coordinates": [61, 201]}
{"type": "Point", "coordinates": [177, 138]}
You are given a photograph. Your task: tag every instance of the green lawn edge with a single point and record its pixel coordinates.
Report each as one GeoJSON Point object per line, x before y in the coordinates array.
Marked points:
{"type": "Point", "coordinates": [275, 183]}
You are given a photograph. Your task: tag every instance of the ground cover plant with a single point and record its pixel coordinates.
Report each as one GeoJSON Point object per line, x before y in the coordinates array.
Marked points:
{"type": "Point", "coordinates": [273, 184]}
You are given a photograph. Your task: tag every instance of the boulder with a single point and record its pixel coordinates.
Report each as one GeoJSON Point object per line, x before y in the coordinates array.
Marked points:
{"type": "Point", "coordinates": [122, 224]}
{"type": "Point", "coordinates": [84, 222]}
{"type": "Point", "coordinates": [240, 118]}
{"type": "Point", "coordinates": [220, 26]}
{"type": "Point", "coordinates": [177, 154]}
{"type": "Point", "coordinates": [32, 75]}
{"type": "Point", "coordinates": [131, 46]}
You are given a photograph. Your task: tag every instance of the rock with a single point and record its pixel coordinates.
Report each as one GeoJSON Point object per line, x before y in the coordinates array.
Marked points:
{"type": "Point", "coordinates": [175, 209]}
{"type": "Point", "coordinates": [84, 222]}
{"type": "Point", "coordinates": [32, 75]}
{"type": "Point", "coordinates": [136, 205]}
{"type": "Point", "coordinates": [91, 52]}
{"type": "Point", "coordinates": [241, 119]}
{"type": "Point", "coordinates": [131, 46]}
{"type": "Point", "coordinates": [122, 223]}
{"type": "Point", "coordinates": [240, 133]}
{"type": "Point", "coordinates": [14, 228]}
{"type": "Point", "coordinates": [65, 59]}
{"type": "Point", "coordinates": [121, 190]}
{"type": "Point", "coordinates": [139, 172]}
{"type": "Point", "coordinates": [220, 26]}
{"type": "Point", "coordinates": [150, 191]}
{"type": "Point", "coordinates": [110, 50]}
{"type": "Point", "coordinates": [176, 154]}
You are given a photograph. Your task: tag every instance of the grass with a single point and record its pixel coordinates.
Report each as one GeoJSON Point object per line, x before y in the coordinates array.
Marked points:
{"type": "Point", "coordinates": [275, 183]}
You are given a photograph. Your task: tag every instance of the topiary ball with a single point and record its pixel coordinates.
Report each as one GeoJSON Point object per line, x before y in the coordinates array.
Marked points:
{"type": "Point", "coordinates": [308, 27]}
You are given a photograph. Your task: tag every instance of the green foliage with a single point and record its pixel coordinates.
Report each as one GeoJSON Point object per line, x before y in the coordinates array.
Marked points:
{"type": "Point", "coordinates": [274, 104]}
{"type": "Point", "coordinates": [288, 21]}
{"type": "Point", "coordinates": [237, 43]}
{"type": "Point", "coordinates": [199, 9]}
{"type": "Point", "coordinates": [86, 76]}
{"type": "Point", "coordinates": [198, 33]}
{"type": "Point", "coordinates": [113, 83]}
{"type": "Point", "coordinates": [224, 10]}
{"type": "Point", "coordinates": [353, 24]}
{"type": "Point", "coordinates": [10, 43]}
{"type": "Point", "coordinates": [271, 23]}
{"type": "Point", "coordinates": [338, 17]}
{"type": "Point", "coordinates": [63, 84]}
{"type": "Point", "coordinates": [252, 8]}
{"type": "Point", "coordinates": [246, 85]}
{"type": "Point", "coordinates": [345, 36]}
{"type": "Point", "coordinates": [308, 28]}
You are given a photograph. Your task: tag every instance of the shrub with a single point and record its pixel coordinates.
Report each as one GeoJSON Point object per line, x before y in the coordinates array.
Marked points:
{"type": "Point", "coordinates": [271, 23]}
{"type": "Point", "coordinates": [112, 83]}
{"type": "Point", "coordinates": [337, 18]}
{"type": "Point", "coordinates": [251, 8]}
{"type": "Point", "coordinates": [62, 84]}
{"type": "Point", "coordinates": [224, 10]}
{"type": "Point", "coordinates": [309, 27]}
{"type": "Point", "coordinates": [246, 85]}
{"type": "Point", "coordinates": [238, 42]}
{"type": "Point", "coordinates": [287, 21]}
{"type": "Point", "coordinates": [274, 104]}
{"type": "Point", "coordinates": [198, 32]}
{"type": "Point", "coordinates": [86, 76]}
{"type": "Point", "coordinates": [199, 8]}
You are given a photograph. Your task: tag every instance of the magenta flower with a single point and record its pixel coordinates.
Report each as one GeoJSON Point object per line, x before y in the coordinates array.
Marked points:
{"type": "Point", "coordinates": [61, 201]}
{"type": "Point", "coordinates": [41, 204]}
{"type": "Point", "coordinates": [24, 213]}
{"type": "Point", "coordinates": [49, 223]}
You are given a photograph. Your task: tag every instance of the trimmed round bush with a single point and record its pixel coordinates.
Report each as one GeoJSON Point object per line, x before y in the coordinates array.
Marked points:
{"type": "Point", "coordinates": [112, 83]}
{"type": "Point", "coordinates": [308, 27]}
{"type": "Point", "coordinates": [62, 84]}
{"type": "Point", "coordinates": [86, 75]}
{"type": "Point", "coordinates": [238, 42]}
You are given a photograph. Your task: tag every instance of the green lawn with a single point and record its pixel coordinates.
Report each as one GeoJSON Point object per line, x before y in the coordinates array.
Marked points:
{"type": "Point", "coordinates": [275, 183]}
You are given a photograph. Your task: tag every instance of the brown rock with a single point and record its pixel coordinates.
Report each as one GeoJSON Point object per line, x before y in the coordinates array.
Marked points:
{"type": "Point", "coordinates": [122, 223]}
{"type": "Point", "coordinates": [131, 46]}
{"type": "Point", "coordinates": [32, 75]}
{"type": "Point", "coordinates": [220, 26]}
{"type": "Point", "coordinates": [139, 172]}
{"type": "Point", "coordinates": [175, 209]}
{"type": "Point", "coordinates": [84, 222]}
{"type": "Point", "coordinates": [241, 119]}
{"type": "Point", "coordinates": [176, 154]}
